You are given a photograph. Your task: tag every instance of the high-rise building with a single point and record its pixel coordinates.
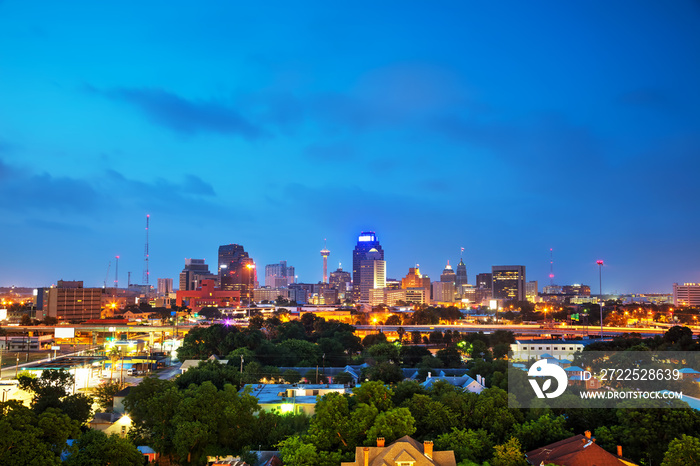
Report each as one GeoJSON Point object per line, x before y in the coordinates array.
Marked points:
{"type": "Point", "coordinates": [366, 242]}
{"type": "Point", "coordinates": [70, 302]}
{"type": "Point", "coordinates": [341, 281]}
{"type": "Point", "coordinates": [165, 286]}
{"type": "Point", "coordinates": [687, 294]}
{"type": "Point", "coordinates": [279, 275]}
{"type": "Point", "coordinates": [461, 278]}
{"type": "Point", "coordinates": [531, 291]}
{"type": "Point", "coordinates": [508, 282]}
{"type": "Point", "coordinates": [484, 281]}
{"type": "Point", "coordinates": [237, 270]}
{"type": "Point", "coordinates": [443, 292]}
{"type": "Point", "coordinates": [372, 274]}
{"type": "Point", "coordinates": [414, 279]}
{"type": "Point", "coordinates": [194, 272]}
{"type": "Point", "coordinates": [448, 275]}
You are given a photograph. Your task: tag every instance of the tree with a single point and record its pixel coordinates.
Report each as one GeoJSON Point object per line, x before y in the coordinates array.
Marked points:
{"type": "Point", "coordinates": [400, 332]}
{"type": "Point", "coordinates": [392, 425]}
{"type": "Point", "coordinates": [467, 444]}
{"type": "Point", "coordinates": [343, 377]}
{"type": "Point", "coordinates": [291, 376]}
{"type": "Point", "coordinates": [386, 372]}
{"type": "Point", "coordinates": [541, 431]}
{"type": "Point", "coordinates": [51, 391]}
{"type": "Point", "coordinates": [683, 450]}
{"type": "Point", "coordinates": [25, 320]}
{"type": "Point", "coordinates": [95, 448]}
{"type": "Point", "coordinates": [294, 451]}
{"type": "Point", "coordinates": [393, 320]}
{"type": "Point", "coordinates": [374, 393]}
{"type": "Point", "coordinates": [508, 454]}
{"type": "Point", "coordinates": [104, 394]}
{"type": "Point", "coordinates": [31, 439]}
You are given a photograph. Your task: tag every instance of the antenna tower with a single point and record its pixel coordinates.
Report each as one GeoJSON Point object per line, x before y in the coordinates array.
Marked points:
{"type": "Point", "coordinates": [145, 255]}
{"type": "Point", "coordinates": [551, 267]}
{"type": "Point", "coordinates": [116, 273]}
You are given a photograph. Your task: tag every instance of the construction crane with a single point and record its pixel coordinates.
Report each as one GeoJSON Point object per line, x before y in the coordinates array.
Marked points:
{"type": "Point", "coordinates": [107, 274]}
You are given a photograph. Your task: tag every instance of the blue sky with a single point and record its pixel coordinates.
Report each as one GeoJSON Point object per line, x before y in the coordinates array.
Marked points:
{"type": "Point", "coordinates": [506, 128]}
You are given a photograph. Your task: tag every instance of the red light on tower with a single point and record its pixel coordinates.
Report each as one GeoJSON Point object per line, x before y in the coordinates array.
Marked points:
{"type": "Point", "coordinates": [599, 262]}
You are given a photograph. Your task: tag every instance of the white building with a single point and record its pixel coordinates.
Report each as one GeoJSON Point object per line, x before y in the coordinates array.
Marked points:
{"type": "Point", "coordinates": [524, 350]}
{"type": "Point", "coordinates": [687, 294]}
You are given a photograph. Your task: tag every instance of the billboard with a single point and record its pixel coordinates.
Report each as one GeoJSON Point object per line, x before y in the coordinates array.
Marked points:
{"type": "Point", "coordinates": [64, 332]}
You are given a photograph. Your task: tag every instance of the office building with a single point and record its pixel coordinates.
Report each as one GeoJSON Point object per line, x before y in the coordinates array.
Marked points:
{"type": "Point", "coordinates": [484, 281]}
{"type": "Point", "coordinates": [366, 242]}
{"type": "Point", "coordinates": [443, 292]}
{"type": "Point", "coordinates": [576, 290]}
{"type": "Point", "coordinates": [531, 291]}
{"type": "Point", "coordinates": [508, 282]}
{"type": "Point", "coordinates": [687, 294]}
{"type": "Point", "coordinates": [237, 270]}
{"type": "Point", "coordinates": [279, 275]}
{"type": "Point", "coordinates": [195, 271]}
{"type": "Point", "coordinates": [448, 275]}
{"type": "Point", "coordinates": [208, 296]}
{"type": "Point", "coordinates": [341, 281]}
{"type": "Point", "coordinates": [414, 279]}
{"type": "Point", "coordinates": [70, 302]}
{"type": "Point", "coordinates": [372, 275]}
{"type": "Point", "coordinates": [461, 278]}
{"type": "Point", "coordinates": [165, 286]}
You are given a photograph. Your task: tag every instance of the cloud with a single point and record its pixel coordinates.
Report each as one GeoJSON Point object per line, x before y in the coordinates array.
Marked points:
{"type": "Point", "coordinates": [184, 116]}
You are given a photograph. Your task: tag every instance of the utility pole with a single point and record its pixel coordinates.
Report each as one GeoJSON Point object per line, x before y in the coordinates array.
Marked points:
{"type": "Point", "coordinates": [241, 365]}
{"type": "Point", "coordinates": [600, 282]}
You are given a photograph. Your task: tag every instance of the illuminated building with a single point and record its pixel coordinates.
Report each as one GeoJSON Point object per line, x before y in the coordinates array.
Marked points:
{"type": "Point", "coordinates": [687, 294]}
{"type": "Point", "coordinates": [341, 281]}
{"type": "Point", "coordinates": [508, 282]}
{"type": "Point", "coordinates": [194, 272]}
{"type": "Point", "coordinates": [484, 281]}
{"type": "Point", "coordinates": [461, 278]}
{"type": "Point", "coordinates": [448, 275]}
{"type": "Point", "coordinates": [443, 292]}
{"type": "Point", "coordinates": [279, 275]}
{"type": "Point", "coordinates": [576, 290]}
{"type": "Point", "coordinates": [366, 242]}
{"type": "Point", "coordinates": [236, 270]}
{"type": "Point", "coordinates": [372, 276]}
{"type": "Point", "coordinates": [165, 286]}
{"type": "Point", "coordinates": [414, 279]}
{"type": "Point", "coordinates": [69, 301]}
{"type": "Point", "coordinates": [208, 296]}
{"type": "Point", "coordinates": [531, 291]}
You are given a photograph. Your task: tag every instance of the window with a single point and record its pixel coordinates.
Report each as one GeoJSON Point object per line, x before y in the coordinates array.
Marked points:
{"type": "Point", "coordinates": [571, 348]}
{"type": "Point", "coordinates": [555, 348]}
{"type": "Point", "coordinates": [405, 463]}
{"type": "Point", "coordinates": [532, 348]}
{"type": "Point", "coordinates": [539, 348]}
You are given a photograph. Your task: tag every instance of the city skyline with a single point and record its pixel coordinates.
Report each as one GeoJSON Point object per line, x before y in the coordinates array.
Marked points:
{"type": "Point", "coordinates": [505, 129]}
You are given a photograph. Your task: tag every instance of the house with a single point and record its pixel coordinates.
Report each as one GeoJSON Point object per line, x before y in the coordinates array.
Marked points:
{"type": "Point", "coordinates": [464, 381]}
{"type": "Point", "coordinates": [291, 398]}
{"type": "Point", "coordinates": [579, 450]}
{"type": "Point", "coordinates": [189, 363]}
{"type": "Point", "coordinates": [404, 452]}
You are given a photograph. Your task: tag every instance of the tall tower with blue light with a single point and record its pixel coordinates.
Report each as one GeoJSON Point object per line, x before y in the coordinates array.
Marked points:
{"type": "Point", "coordinates": [366, 242]}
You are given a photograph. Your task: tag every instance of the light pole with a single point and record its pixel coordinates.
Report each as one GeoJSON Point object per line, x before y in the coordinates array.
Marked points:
{"type": "Point", "coordinates": [250, 267]}
{"type": "Point", "coordinates": [600, 283]}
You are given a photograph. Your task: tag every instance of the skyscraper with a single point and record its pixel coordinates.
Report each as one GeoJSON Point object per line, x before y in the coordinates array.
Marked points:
{"type": "Point", "coordinates": [279, 275]}
{"type": "Point", "coordinates": [236, 270]}
{"type": "Point", "coordinates": [461, 278]}
{"type": "Point", "coordinates": [325, 253]}
{"type": "Point", "coordinates": [366, 242]}
{"type": "Point", "coordinates": [508, 282]}
{"type": "Point", "coordinates": [194, 272]}
{"type": "Point", "coordinates": [448, 275]}
{"type": "Point", "coordinates": [372, 275]}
